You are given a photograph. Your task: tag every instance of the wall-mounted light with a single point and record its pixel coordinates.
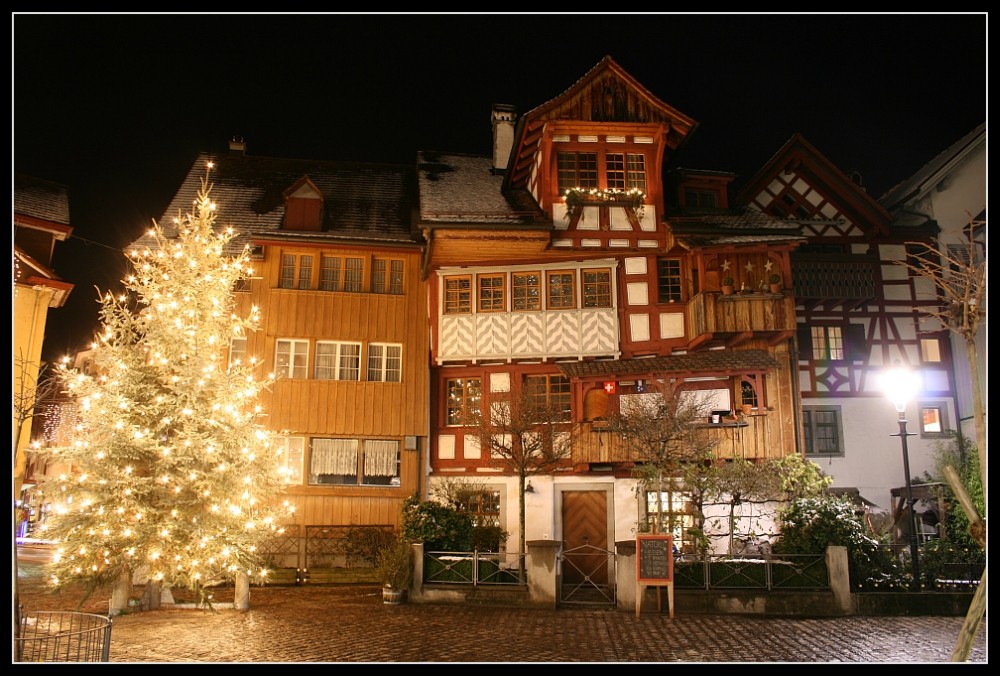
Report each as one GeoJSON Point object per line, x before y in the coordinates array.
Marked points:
{"type": "Point", "coordinates": [529, 488]}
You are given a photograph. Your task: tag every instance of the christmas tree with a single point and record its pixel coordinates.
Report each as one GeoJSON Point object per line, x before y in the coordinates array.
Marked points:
{"type": "Point", "coordinates": [170, 471]}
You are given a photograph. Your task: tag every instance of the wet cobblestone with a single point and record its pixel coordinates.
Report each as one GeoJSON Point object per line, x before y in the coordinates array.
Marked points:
{"type": "Point", "coordinates": [349, 623]}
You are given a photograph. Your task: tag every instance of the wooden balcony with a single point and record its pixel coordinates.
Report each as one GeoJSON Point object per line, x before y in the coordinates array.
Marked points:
{"type": "Point", "coordinates": [715, 318]}
{"type": "Point", "coordinates": [751, 437]}
{"type": "Point", "coordinates": [848, 280]}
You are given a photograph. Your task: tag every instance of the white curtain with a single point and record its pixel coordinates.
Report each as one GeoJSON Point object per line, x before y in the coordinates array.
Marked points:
{"type": "Point", "coordinates": [334, 456]}
{"type": "Point", "coordinates": [380, 457]}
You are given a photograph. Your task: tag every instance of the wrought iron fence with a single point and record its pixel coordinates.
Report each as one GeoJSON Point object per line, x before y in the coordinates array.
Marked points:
{"type": "Point", "coordinates": [55, 636]}
{"type": "Point", "coordinates": [475, 568]}
{"type": "Point", "coordinates": [725, 571]}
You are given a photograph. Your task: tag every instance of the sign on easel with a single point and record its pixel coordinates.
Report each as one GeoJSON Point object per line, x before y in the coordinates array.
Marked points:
{"type": "Point", "coordinates": [654, 567]}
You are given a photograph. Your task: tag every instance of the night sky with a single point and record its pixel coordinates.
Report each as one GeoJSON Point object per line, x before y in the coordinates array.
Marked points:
{"type": "Point", "coordinates": [116, 107]}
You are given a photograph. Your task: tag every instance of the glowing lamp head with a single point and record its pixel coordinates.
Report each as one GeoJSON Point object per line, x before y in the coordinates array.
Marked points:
{"type": "Point", "coordinates": [900, 385]}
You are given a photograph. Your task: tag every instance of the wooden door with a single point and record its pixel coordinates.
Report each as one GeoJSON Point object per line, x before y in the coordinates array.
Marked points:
{"type": "Point", "coordinates": [585, 537]}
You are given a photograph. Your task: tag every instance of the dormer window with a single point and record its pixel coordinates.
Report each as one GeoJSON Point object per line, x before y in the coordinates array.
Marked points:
{"type": "Point", "coordinates": [303, 207]}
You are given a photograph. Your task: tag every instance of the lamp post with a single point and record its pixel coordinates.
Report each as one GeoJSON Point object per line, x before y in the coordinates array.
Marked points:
{"type": "Point", "coordinates": [899, 384]}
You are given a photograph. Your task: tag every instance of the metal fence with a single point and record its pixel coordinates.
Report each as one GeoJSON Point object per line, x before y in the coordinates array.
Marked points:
{"type": "Point", "coordinates": [55, 636]}
{"type": "Point", "coordinates": [475, 568]}
{"type": "Point", "coordinates": [788, 572]}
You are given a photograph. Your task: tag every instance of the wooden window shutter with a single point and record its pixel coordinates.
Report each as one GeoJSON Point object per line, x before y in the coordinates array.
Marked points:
{"type": "Point", "coordinates": [857, 345]}
{"type": "Point", "coordinates": [805, 342]}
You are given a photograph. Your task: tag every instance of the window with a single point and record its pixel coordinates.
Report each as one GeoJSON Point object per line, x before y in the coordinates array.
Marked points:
{"type": "Point", "coordinates": [385, 362]}
{"type": "Point", "coordinates": [668, 280]}
{"type": "Point", "coordinates": [597, 288]}
{"type": "Point", "coordinates": [549, 393]}
{"type": "Point", "coordinates": [491, 293]}
{"type": "Point", "coordinates": [673, 513]}
{"type": "Point", "coordinates": [457, 295]}
{"type": "Point", "coordinates": [464, 397]}
{"type": "Point", "coordinates": [387, 276]}
{"type": "Point", "coordinates": [329, 273]}
{"type": "Point", "coordinates": [561, 293]}
{"type": "Point", "coordinates": [930, 350]}
{"type": "Point", "coordinates": [577, 170]}
{"type": "Point", "coordinates": [822, 430]}
{"type": "Point", "coordinates": [291, 454]}
{"type": "Point", "coordinates": [748, 395]}
{"type": "Point", "coordinates": [932, 420]}
{"type": "Point", "coordinates": [338, 361]}
{"type": "Point", "coordinates": [700, 199]}
{"type": "Point", "coordinates": [483, 506]}
{"type": "Point", "coordinates": [237, 351]}
{"type": "Point", "coordinates": [296, 271]}
{"type": "Point", "coordinates": [353, 274]}
{"type": "Point", "coordinates": [291, 358]}
{"type": "Point", "coordinates": [353, 462]}
{"type": "Point", "coordinates": [526, 289]}
{"type": "Point", "coordinates": [827, 343]}
{"type": "Point", "coordinates": [635, 176]}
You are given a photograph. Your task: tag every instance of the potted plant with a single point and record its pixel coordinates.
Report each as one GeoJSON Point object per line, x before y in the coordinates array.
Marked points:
{"type": "Point", "coordinates": [728, 284]}
{"type": "Point", "coordinates": [394, 568]}
{"type": "Point", "coordinates": [775, 283]}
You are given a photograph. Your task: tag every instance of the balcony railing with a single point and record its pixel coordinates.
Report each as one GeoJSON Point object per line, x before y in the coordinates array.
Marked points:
{"type": "Point", "coordinates": [713, 313]}
{"type": "Point", "coordinates": [843, 277]}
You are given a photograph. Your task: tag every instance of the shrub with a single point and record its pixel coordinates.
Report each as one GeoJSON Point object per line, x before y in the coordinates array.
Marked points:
{"type": "Point", "coordinates": [489, 538]}
{"type": "Point", "coordinates": [945, 560]}
{"type": "Point", "coordinates": [441, 528]}
{"type": "Point", "coordinates": [362, 544]}
{"type": "Point", "coordinates": [394, 565]}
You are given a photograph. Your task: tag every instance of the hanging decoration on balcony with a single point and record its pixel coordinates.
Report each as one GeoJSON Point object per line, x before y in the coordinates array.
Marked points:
{"type": "Point", "coordinates": [604, 197]}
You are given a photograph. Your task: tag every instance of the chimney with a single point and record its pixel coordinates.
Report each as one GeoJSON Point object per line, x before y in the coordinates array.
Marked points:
{"type": "Point", "coordinates": [237, 146]}
{"type": "Point", "coordinates": [503, 135]}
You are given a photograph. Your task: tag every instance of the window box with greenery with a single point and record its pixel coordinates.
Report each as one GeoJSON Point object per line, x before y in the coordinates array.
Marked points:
{"type": "Point", "coordinates": [610, 197]}
{"type": "Point", "coordinates": [394, 568]}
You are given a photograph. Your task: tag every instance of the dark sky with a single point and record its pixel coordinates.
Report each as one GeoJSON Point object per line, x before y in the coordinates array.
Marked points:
{"type": "Point", "coordinates": [116, 107]}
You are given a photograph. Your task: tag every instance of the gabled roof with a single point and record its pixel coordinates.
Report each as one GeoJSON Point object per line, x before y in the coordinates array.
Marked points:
{"type": "Point", "coordinates": [363, 203]}
{"type": "Point", "coordinates": [799, 156]}
{"type": "Point", "coordinates": [928, 177]}
{"type": "Point", "coordinates": [463, 190]}
{"type": "Point", "coordinates": [717, 361]}
{"type": "Point", "coordinates": [606, 93]}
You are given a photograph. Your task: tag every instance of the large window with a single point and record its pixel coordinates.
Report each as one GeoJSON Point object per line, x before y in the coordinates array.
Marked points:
{"type": "Point", "coordinates": [526, 288]}
{"type": "Point", "coordinates": [368, 462]}
{"type": "Point", "coordinates": [597, 288]}
{"type": "Point", "coordinates": [626, 171]}
{"type": "Point", "coordinates": [237, 351]}
{"type": "Point", "coordinates": [338, 361]}
{"type": "Point", "coordinates": [385, 362]}
{"type": "Point", "coordinates": [577, 170]}
{"type": "Point", "coordinates": [464, 400]}
{"type": "Point", "coordinates": [673, 514]}
{"type": "Point", "coordinates": [822, 430]}
{"type": "Point", "coordinates": [291, 358]}
{"type": "Point", "coordinates": [457, 295]}
{"type": "Point", "coordinates": [827, 343]}
{"type": "Point", "coordinates": [296, 271]}
{"type": "Point", "coordinates": [560, 288]}
{"type": "Point", "coordinates": [549, 393]}
{"type": "Point", "coordinates": [387, 276]}
{"type": "Point", "coordinates": [482, 505]}
{"type": "Point", "coordinates": [668, 280]}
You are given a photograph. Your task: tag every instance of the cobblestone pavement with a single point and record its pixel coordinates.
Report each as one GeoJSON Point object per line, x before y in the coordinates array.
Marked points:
{"type": "Point", "coordinates": [349, 623]}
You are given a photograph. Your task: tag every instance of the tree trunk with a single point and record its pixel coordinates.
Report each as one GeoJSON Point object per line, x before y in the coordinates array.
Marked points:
{"type": "Point", "coordinates": [121, 593]}
{"type": "Point", "coordinates": [241, 600]}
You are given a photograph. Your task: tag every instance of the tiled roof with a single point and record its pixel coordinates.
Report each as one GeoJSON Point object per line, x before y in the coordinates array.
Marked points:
{"type": "Point", "coordinates": [464, 189]}
{"type": "Point", "coordinates": [721, 361]}
{"type": "Point", "coordinates": [41, 199]}
{"type": "Point", "coordinates": [745, 226]}
{"type": "Point", "coordinates": [363, 202]}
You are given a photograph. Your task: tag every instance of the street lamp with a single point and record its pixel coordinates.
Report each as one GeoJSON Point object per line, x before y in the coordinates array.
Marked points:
{"type": "Point", "coordinates": [899, 384]}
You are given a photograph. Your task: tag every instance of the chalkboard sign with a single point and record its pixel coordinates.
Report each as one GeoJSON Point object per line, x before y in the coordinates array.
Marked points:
{"type": "Point", "coordinates": [654, 559]}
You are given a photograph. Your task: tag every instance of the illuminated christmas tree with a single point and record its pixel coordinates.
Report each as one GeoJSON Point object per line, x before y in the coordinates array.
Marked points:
{"type": "Point", "coordinates": [173, 474]}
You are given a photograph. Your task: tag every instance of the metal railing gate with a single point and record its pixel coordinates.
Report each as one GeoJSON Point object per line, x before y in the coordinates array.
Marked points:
{"type": "Point", "coordinates": [587, 576]}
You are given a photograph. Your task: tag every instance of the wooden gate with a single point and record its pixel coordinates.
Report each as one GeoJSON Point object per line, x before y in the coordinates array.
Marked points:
{"type": "Point", "coordinates": [587, 565]}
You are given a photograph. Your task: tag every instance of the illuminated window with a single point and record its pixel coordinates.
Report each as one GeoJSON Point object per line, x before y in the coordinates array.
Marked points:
{"type": "Point", "coordinates": [671, 512]}
{"type": "Point", "coordinates": [464, 397]}
{"type": "Point", "coordinates": [930, 350]}
{"type": "Point", "coordinates": [561, 293]}
{"type": "Point", "coordinates": [296, 272]}
{"type": "Point", "coordinates": [577, 170]}
{"type": "Point", "coordinates": [457, 295]}
{"type": "Point", "coordinates": [353, 462]}
{"type": "Point", "coordinates": [291, 457]}
{"type": "Point", "coordinates": [291, 358]}
{"type": "Point", "coordinates": [597, 288]}
{"type": "Point", "coordinates": [932, 420]}
{"type": "Point", "coordinates": [491, 293]}
{"type": "Point", "coordinates": [549, 393]}
{"type": "Point", "coordinates": [482, 505]}
{"type": "Point", "coordinates": [827, 343]}
{"type": "Point", "coordinates": [385, 362]}
{"type": "Point", "coordinates": [526, 289]}
{"type": "Point", "coordinates": [237, 351]}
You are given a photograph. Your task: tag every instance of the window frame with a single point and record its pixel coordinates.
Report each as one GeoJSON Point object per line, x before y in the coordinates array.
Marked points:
{"type": "Point", "coordinates": [361, 448]}
{"type": "Point", "coordinates": [810, 426]}
{"type": "Point", "coordinates": [667, 282]}
{"type": "Point", "coordinates": [296, 271]}
{"type": "Point", "coordinates": [381, 368]}
{"type": "Point", "coordinates": [942, 420]}
{"type": "Point", "coordinates": [339, 367]}
{"type": "Point", "coordinates": [550, 390]}
{"type": "Point", "coordinates": [571, 296]}
{"type": "Point", "coordinates": [491, 292]}
{"type": "Point", "coordinates": [457, 301]}
{"type": "Point", "coordinates": [571, 172]}
{"type": "Point", "coordinates": [597, 293]}
{"type": "Point", "coordinates": [387, 276]}
{"type": "Point", "coordinates": [524, 293]}
{"type": "Point", "coordinates": [291, 370]}
{"type": "Point", "coordinates": [462, 401]}
{"type": "Point", "coordinates": [294, 470]}
{"type": "Point", "coordinates": [237, 355]}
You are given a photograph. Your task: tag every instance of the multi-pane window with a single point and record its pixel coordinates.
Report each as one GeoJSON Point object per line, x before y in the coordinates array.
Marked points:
{"type": "Point", "coordinates": [822, 430]}
{"type": "Point", "coordinates": [385, 362]}
{"type": "Point", "coordinates": [491, 293]}
{"type": "Point", "coordinates": [291, 456]}
{"type": "Point", "coordinates": [368, 462]}
{"type": "Point", "coordinates": [700, 199]}
{"type": "Point", "coordinates": [457, 295]}
{"type": "Point", "coordinates": [353, 274]}
{"type": "Point", "coordinates": [526, 291]}
{"type": "Point", "coordinates": [329, 273]}
{"type": "Point", "coordinates": [387, 276]}
{"type": "Point", "coordinates": [549, 393]}
{"type": "Point", "coordinates": [296, 271]}
{"type": "Point", "coordinates": [483, 506]}
{"type": "Point", "coordinates": [464, 400]}
{"type": "Point", "coordinates": [672, 513]}
{"type": "Point", "coordinates": [237, 350]}
{"type": "Point", "coordinates": [748, 395]}
{"type": "Point", "coordinates": [291, 358]}
{"type": "Point", "coordinates": [561, 295]}
{"type": "Point", "coordinates": [597, 288]}
{"type": "Point", "coordinates": [341, 273]}
{"type": "Point", "coordinates": [668, 280]}
{"type": "Point", "coordinates": [827, 343]}
{"type": "Point", "coordinates": [577, 170]}
{"type": "Point", "coordinates": [625, 171]}
{"type": "Point", "coordinates": [338, 361]}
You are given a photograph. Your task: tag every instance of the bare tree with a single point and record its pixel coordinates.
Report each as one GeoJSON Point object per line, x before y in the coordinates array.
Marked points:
{"type": "Point", "coordinates": [525, 432]}
{"type": "Point", "coordinates": [959, 278]}
{"type": "Point", "coordinates": [33, 387]}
